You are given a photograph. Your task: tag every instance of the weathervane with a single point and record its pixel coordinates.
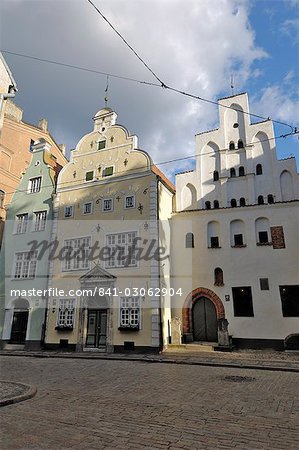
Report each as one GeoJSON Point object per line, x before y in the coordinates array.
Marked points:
{"type": "Point", "coordinates": [106, 91]}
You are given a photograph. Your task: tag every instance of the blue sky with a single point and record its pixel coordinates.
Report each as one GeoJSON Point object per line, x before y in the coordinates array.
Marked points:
{"type": "Point", "coordinates": [194, 45]}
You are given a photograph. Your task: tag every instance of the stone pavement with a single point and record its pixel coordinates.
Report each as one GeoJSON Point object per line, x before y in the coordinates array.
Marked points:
{"type": "Point", "coordinates": [11, 392]}
{"type": "Point", "coordinates": [111, 404]}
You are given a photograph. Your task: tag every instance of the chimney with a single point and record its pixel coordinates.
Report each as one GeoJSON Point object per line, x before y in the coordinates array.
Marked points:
{"type": "Point", "coordinates": [62, 148]}
{"type": "Point", "coordinates": [43, 124]}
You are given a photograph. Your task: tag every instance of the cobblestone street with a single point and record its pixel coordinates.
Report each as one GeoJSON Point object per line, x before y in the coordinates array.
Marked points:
{"type": "Point", "coordinates": [95, 404]}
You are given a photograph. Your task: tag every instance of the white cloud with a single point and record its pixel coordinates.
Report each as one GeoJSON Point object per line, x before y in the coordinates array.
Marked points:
{"type": "Point", "coordinates": [192, 45]}
{"type": "Point", "coordinates": [291, 28]}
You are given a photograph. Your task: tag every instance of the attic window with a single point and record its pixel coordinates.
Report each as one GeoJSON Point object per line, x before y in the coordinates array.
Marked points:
{"type": "Point", "coordinates": [89, 176]}
{"type": "Point", "coordinates": [108, 171]}
{"type": "Point", "coordinates": [101, 145]}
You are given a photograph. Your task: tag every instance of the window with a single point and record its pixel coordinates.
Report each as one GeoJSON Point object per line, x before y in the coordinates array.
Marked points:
{"type": "Point", "coordinates": [66, 313]}
{"type": "Point", "coordinates": [214, 241]}
{"type": "Point", "coordinates": [130, 312]}
{"type": "Point", "coordinates": [259, 169]}
{"type": "Point", "coordinates": [35, 185]}
{"type": "Point", "coordinates": [264, 284]}
{"type": "Point", "coordinates": [289, 300]}
{"type": "Point", "coordinates": [189, 240]}
{"type": "Point", "coordinates": [218, 277]}
{"type": "Point", "coordinates": [270, 199]}
{"type": "Point", "coordinates": [122, 250]}
{"type": "Point", "coordinates": [21, 223]}
{"type": "Point", "coordinates": [89, 176]}
{"type": "Point", "coordinates": [260, 200]}
{"type": "Point", "coordinates": [242, 201]}
{"type": "Point", "coordinates": [25, 265]}
{"type": "Point", "coordinates": [216, 175]}
{"type": "Point", "coordinates": [263, 237]}
{"type": "Point", "coordinates": [2, 196]}
{"type": "Point", "coordinates": [31, 145]}
{"type": "Point", "coordinates": [87, 208]}
{"type": "Point", "coordinates": [232, 172]}
{"type": "Point", "coordinates": [240, 143]}
{"type": "Point", "coordinates": [238, 240]}
{"type": "Point", "coordinates": [233, 203]}
{"type": "Point", "coordinates": [40, 220]}
{"type": "Point", "coordinates": [107, 204]}
{"type": "Point", "coordinates": [76, 253]}
{"type": "Point", "coordinates": [208, 205]}
{"type": "Point", "coordinates": [216, 204]}
{"type": "Point", "coordinates": [241, 171]}
{"type": "Point", "coordinates": [101, 145]}
{"type": "Point", "coordinates": [232, 146]}
{"type": "Point", "coordinates": [242, 299]}
{"type": "Point", "coordinates": [130, 201]}
{"type": "Point", "coordinates": [68, 211]}
{"type": "Point", "coordinates": [108, 171]}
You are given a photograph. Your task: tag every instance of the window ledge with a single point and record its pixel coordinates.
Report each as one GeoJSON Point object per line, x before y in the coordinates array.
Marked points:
{"type": "Point", "coordinates": [129, 328]}
{"type": "Point", "coordinates": [219, 284]}
{"type": "Point", "coordinates": [239, 246]}
{"type": "Point", "coordinates": [261, 244]}
{"type": "Point", "coordinates": [214, 247]}
{"type": "Point", "coordinates": [64, 328]}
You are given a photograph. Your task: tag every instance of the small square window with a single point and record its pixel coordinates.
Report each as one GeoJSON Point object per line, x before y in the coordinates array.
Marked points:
{"type": "Point", "coordinates": [35, 185]}
{"type": "Point", "coordinates": [101, 145]}
{"type": "Point", "coordinates": [264, 284]}
{"type": "Point", "coordinates": [263, 237]}
{"type": "Point", "coordinates": [68, 211]}
{"type": "Point", "coordinates": [130, 201]}
{"type": "Point", "coordinates": [107, 204]}
{"type": "Point", "coordinates": [89, 176]}
{"type": "Point", "coordinates": [87, 208]}
{"type": "Point", "coordinates": [214, 242]}
{"type": "Point", "coordinates": [108, 171]}
{"type": "Point", "coordinates": [238, 239]}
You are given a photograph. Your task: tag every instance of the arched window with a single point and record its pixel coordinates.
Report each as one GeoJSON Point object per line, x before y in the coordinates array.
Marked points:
{"type": "Point", "coordinates": [241, 171]}
{"type": "Point", "coordinates": [232, 145]}
{"type": "Point", "coordinates": [218, 277]}
{"type": "Point", "coordinates": [240, 143]}
{"type": "Point", "coordinates": [208, 205]}
{"type": "Point", "coordinates": [213, 234]}
{"type": "Point", "coordinates": [259, 169]}
{"type": "Point", "coordinates": [216, 175]}
{"type": "Point", "coordinates": [233, 203]}
{"type": "Point", "coordinates": [270, 199]}
{"type": "Point", "coordinates": [189, 240]}
{"type": "Point", "coordinates": [232, 172]}
{"type": "Point", "coordinates": [216, 204]}
{"type": "Point", "coordinates": [242, 201]}
{"type": "Point", "coordinates": [237, 233]}
{"type": "Point", "coordinates": [260, 200]}
{"type": "Point", "coordinates": [262, 230]}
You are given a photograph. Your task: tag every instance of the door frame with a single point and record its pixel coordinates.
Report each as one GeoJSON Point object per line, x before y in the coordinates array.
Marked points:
{"type": "Point", "coordinates": [190, 300]}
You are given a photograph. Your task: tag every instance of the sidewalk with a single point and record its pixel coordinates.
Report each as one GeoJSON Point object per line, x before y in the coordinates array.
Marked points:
{"type": "Point", "coordinates": [11, 392]}
{"type": "Point", "coordinates": [259, 360]}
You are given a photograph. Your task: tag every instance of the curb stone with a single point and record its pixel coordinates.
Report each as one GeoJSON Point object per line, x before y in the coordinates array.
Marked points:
{"type": "Point", "coordinates": [29, 393]}
{"type": "Point", "coordinates": [229, 364]}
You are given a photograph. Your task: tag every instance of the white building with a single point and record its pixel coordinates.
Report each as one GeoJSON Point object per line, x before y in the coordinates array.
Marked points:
{"type": "Point", "coordinates": [234, 234]}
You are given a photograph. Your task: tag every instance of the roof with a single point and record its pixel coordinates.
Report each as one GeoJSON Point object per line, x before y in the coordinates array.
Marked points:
{"type": "Point", "coordinates": [186, 171]}
{"type": "Point", "coordinates": [8, 71]}
{"type": "Point", "coordinates": [232, 96]}
{"type": "Point", "coordinates": [208, 131]}
{"type": "Point", "coordinates": [163, 178]}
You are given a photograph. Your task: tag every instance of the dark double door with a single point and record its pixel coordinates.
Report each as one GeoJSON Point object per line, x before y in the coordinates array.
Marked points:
{"type": "Point", "coordinates": [96, 328]}
{"type": "Point", "coordinates": [205, 326]}
{"type": "Point", "coordinates": [19, 327]}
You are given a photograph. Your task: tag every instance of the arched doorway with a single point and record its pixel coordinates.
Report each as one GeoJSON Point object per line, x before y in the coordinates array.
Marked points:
{"type": "Point", "coordinates": [204, 318]}
{"type": "Point", "coordinates": [202, 311]}
{"type": "Point", "coordinates": [19, 322]}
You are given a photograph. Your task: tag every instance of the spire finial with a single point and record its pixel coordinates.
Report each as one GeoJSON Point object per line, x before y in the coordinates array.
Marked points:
{"type": "Point", "coordinates": [106, 91]}
{"type": "Point", "coordinates": [232, 83]}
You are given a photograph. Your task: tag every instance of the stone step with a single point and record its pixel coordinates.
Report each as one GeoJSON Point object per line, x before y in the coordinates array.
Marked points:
{"type": "Point", "coordinates": [191, 348]}
{"type": "Point", "coordinates": [14, 347]}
